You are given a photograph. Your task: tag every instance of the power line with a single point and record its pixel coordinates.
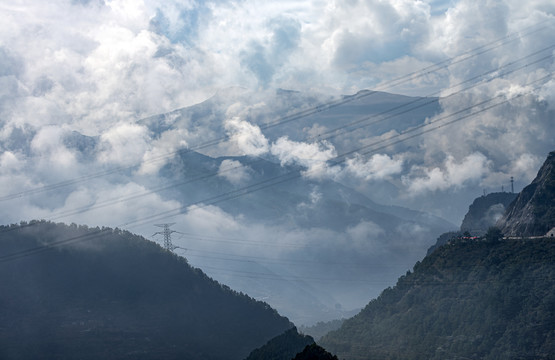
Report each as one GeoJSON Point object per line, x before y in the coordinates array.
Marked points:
{"type": "Point", "coordinates": [277, 180]}
{"type": "Point", "coordinates": [304, 113]}
{"type": "Point", "coordinates": [340, 158]}
{"type": "Point", "coordinates": [401, 281]}
{"type": "Point", "coordinates": [278, 261]}
{"type": "Point", "coordinates": [330, 133]}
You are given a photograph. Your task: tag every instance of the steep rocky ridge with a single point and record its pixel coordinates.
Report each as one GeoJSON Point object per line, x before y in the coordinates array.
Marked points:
{"type": "Point", "coordinates": [485, 211]}
{"type": "Point", "coordinates": [533, 211]}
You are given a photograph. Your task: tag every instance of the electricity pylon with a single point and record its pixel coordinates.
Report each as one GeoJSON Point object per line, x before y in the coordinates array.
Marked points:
{"type": "Point", "coordinates": [167, 232]}
{"type": "Point", "coordinates": [167, 236]}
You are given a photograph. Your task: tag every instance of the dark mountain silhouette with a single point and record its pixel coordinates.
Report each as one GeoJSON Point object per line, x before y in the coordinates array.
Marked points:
{"type": "Point", "coordinates": [533, 211]}
{"type": "Point", "coordinates": [71, 292]}
{"type": "Point", "coordinates": [282, 347]}
{"type": "Point", "coordinates": [291, 346]}
{"type": "Point", "coordinates": [314, 352]}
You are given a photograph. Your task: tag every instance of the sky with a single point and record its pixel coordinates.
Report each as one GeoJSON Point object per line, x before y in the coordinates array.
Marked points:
{"type": "Point", "coordinates": [97, 67]}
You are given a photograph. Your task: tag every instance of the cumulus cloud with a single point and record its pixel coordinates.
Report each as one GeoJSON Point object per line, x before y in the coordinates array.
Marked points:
{"type": "Point", "coordinates": [378, 167]}
{"type": "Point", "coordinates": [111, 61]}
{"type": "Point", "coordinates": [124, 145]}
{"type": "Point", "coordinates": [234, 172]}
{"type": "Point", "coordinates": [162, 149]}
{"type": "Point", "coordinates": [8, 161]}
{"type": "Point", "coordinates": [525, 165]}
{"type": "Point", "coordinates": [51, 157]}
{"type": "Point", "coordinates": [453, 174]}
{"type": "Point", "coordinates": [97, 67]}
{"type": "Point", "coordinates": [248, 138]}
{"type": "Point", "coordinates": [265, 57]}
{"type": "Point", "coordinates": [313, 156]}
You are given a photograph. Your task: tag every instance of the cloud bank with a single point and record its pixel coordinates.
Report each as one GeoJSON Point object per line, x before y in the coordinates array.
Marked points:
{"type": "Point", "coordinates": [76, 78]}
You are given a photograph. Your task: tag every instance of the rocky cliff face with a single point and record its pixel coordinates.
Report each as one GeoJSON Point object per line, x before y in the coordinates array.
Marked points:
{"type": "Point", "coordinates": [485, 211]}
{"type": "Point", "coordinates": [533, 211]}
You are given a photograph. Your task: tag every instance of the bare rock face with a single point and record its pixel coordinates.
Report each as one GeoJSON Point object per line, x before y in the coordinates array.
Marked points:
{"type": "Point", "coordinates": [533, 211]}
{"type": "Point", "coordinates": [485, 211]}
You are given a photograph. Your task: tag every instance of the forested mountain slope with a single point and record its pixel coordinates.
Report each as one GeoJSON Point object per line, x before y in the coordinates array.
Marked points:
{"type": "Point", "coordinates": [468, 299]}
{"type": "Point", "coordinates": [69, 292]}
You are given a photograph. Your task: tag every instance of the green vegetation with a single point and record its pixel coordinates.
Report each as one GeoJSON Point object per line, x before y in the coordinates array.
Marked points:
{"type": "Point", "coordinates": [109, 294]}
{"type": "Point", "coordinates": [493, 234]}
{"type": "Point", "coordinates": [468, 299]}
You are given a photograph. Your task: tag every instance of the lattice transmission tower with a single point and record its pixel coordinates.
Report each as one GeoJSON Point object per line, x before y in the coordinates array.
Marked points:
{"type": "Point", "coordinates": [167, 232]}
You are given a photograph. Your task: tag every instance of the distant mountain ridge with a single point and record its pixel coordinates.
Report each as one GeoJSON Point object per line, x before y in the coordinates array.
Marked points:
{"type": "Point", "coordinates": [196, 165]}
{"type": "Point", "coordinates": [533, 211]}
{"type": "Point", "coordinates": [70, 292]}
{"type": "Point", "coordinates": [304, 108]}
{"type": "Point", "coordinates": [301, 203]}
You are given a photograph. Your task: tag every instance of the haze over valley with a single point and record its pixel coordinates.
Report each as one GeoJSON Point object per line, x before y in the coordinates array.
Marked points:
{"type": "Point", "coordinates": [302, 154]}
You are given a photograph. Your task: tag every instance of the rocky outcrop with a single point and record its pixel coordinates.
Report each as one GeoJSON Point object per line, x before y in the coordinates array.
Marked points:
{"type": "Point", "coordinates": [533, 211]}
{"type": "Point", "coordinates": [485, 211]}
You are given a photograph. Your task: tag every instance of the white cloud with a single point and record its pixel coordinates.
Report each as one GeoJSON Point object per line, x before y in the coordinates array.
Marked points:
{"type": "Point", "coordinates": [234, 172]}
{"type": "Point", "coordinates": [453, 175]}
{"type": "Point", "coordinates": [52, 158]}
{"type": "Point", "coordinates": [124, 145]}
{"type": "Point", "coordinates": [210, 220]}
{"type": "Point", "coordinates": [162, 150]}
{"type": "Point", "coordinates": [9, 161]}
{"type": "Point", "coordinates": [526, 165]}
{"type": "Point", "coordinates": [248, 138]}
{"type": "Point", "coordinates": [312, 156]}
{"type": "Point", "coordinates": [99, 66]}
{"type": "Point", "coordinates": [120, 60]}
{"type": "Point", "coordinates": [378, 167]}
